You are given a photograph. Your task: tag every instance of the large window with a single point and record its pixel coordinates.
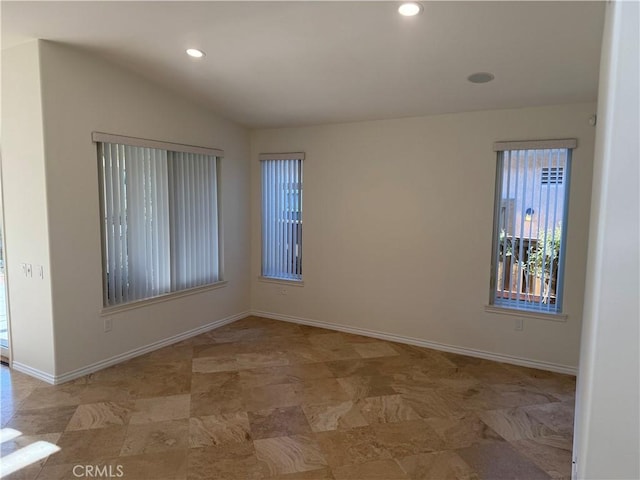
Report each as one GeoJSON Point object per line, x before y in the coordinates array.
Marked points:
{"type": "Point", "coordinates": [532, 192]}
{"type": "Point", "coordinates": [282, 215]}
{"type": "Point", "coordinates": [160, 217]}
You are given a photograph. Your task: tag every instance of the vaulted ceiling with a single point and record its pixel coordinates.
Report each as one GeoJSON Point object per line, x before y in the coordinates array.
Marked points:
{"type": "Point", "coordinates": [273, 64]}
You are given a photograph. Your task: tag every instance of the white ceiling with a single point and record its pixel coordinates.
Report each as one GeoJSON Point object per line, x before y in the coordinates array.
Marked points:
{"type": "Point", "coordinates": [299, 63]}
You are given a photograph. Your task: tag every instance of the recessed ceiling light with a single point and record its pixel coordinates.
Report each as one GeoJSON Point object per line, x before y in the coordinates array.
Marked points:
{"type": "Point", "coordinates": [481, 77]}
{"type": "Point", "coordinates": [410, 9]}
{"type": "Point", "coordinates": [195, 53]}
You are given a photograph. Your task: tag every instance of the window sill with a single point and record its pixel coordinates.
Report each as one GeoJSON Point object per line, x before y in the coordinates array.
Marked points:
{"type": "Point", "coordinates": [514, 312]}
{"type": "Point", "coordinates": [282, 281]}
{"type": "Point", "coordinates": [162, 298]}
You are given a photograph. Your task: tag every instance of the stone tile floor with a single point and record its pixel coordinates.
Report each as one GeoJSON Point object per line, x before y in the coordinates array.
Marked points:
{"type": "Point", "coordinates": [265, 399]}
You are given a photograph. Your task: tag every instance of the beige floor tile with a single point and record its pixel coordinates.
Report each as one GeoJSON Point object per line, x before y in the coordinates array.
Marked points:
{"type": "Point", "coordinates": [514, 424]}
{"type": "Point", "coordinates": [334, 416]}
{"type": "Point", "coordinates": [551, 453]}
{"type": "Point", "coordinates": [215, 382]}
{"type": "Point", "coordinates": [158, 409]}
{"type": "Point", "coordinates": [278, 422]}
{"type": "Point", "coordinates": [402, 439]}
{"type": "Point", "coordinates": [358, 387]}
{"type": "Point", "coordinates": [259, 377]}
{"type": "Point", "coordinates": [279, 400]}
{"type": "Point", "coordinates": [376, 470]}
{"type": "Point", "coordinates": [297, 453]}
{"type": "Point", "coordinates": [558, 416]}
{"type": "Point", "coordinates": [87, 446]}
{"type": "Point", "coordinates": [319, 474]}
{"type": "Point", "coordinates": [350, 447]}
{"type": "Point", "coordinates": [228, 462]}
{"type": "Point", "coordinates": [100, 415]}
{"type": "Point", "coordinates": [219, 429]}
{"type": "Point", "coordinates": [499, 460]}
{"type": "Point", "coordinates": [42, 420]}
{"type": "Point", "coordinates": [463, 431]}
{"type": "Point", "coordinates": [386, 409]}
{"type": "Point", "coordinates": [156, 437]}
{"type": "Point", "coordinates": [445, 465]}
{"type": "Point", "coordinates": [272, 396]}
{"type": "Point", "coordinates": [375, 349]}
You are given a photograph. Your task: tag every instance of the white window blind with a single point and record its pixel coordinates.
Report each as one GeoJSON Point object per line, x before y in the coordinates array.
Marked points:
{"type": "Point", "coordinates": [160, 221]}
{"type": "Point", "coordinates": [532, 191]}
{"type": "Point", "coordinates": [282, 215]}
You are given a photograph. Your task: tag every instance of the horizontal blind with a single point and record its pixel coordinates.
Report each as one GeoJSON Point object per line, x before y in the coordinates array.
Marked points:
{"type": "Point", "coordinates": [531, 228]}
{"type": "Point", "coordinates": [282, 216]}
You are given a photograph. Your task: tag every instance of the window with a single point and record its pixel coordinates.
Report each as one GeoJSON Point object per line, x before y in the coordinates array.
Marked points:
{"type": "Point", "coordinates": [532, 193]}
{"type": "Point", "coordinates": [282, 215]}
{"type": "Point", "coordinates": [160, 217]}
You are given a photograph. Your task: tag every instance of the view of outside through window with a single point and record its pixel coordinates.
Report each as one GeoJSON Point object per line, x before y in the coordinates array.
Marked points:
{"type": "Point", "coordinates": [530, 228]}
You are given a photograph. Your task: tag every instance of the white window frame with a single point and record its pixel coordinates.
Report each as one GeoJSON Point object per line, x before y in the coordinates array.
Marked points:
{"type": "Point", "coordinates": [178, 150]}
{"type": "Point", "coordinates": [281, 254]}
{"type": "Point", "coordinates": [517, 306]}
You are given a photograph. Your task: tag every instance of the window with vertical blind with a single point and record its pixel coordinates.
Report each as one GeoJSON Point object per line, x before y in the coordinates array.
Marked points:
{"type": "Point", "coordinates": [160, 217]}
{"type": "Point", "coordinates": [530, 221]}
{"type": "Point", "coordinates": [282, 215]}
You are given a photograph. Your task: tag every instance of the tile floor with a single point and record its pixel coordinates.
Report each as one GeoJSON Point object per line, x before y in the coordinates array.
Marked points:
{"type": "Point", "coordinates": [265, 399]}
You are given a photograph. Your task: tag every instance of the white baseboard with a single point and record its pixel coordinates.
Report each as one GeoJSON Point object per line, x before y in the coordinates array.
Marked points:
{"type": "Point", "coordinates": [33, 372]}
{"type": "Point", "coordinates": [498, 357]}
{"type": "Point", "coordinates": [136, 352]}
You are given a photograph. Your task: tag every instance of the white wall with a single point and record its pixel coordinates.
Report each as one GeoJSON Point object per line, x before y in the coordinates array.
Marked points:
{"type": "Point", "coordinates": [25, 208]}
{"type": "Point", "coordinates": [607, 436]}
{"type": "Point", "coordinates": [398, 219]}
{"type": "Point", "coordinates": [81, 94]}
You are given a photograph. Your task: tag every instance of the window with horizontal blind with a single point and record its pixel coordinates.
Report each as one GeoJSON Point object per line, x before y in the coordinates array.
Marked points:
{"type": "Point", "coordinates": [529, 241]}
{"type": "Point", "coordinates": [160, 217]}
{"type": "Point", "coordinates": [282, 215]}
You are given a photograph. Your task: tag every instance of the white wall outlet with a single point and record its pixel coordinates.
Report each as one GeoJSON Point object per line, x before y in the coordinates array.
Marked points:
{"type": "Point", "coordinates": [27, 269]}
{"type": "Point", "coordinates": [519, 324]}
{"type": "Point", "coordinates": [108, 324]}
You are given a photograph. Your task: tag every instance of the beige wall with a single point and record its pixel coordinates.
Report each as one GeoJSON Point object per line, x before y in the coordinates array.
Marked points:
{"type": "Point", "coordinates": [81, 94]}
{"type": "Point", "coordinates": [607, 434]}
{"type": "Point", "coordinates": [25, 208]}
{"type": "Point", "coordinates": [398, 223]}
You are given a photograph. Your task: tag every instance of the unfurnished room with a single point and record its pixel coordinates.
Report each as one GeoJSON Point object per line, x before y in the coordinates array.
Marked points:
{"type": "Point", "coordinates": [320, 240]}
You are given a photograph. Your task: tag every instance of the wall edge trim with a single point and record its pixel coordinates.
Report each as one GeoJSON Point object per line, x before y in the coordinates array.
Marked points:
{"type": "Point", "coordinates": [497, 357]}
{"type": "Point", "coordinates": [136, 352]}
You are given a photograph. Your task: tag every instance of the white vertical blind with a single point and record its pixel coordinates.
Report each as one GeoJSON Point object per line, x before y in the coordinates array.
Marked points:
{"type": "Point", "coordinates": [194, 219]}
{"type": "Point", "coordinates": [529, 236]}
{"type": "Point", "coordinates": [147, 223]}
{"type": "Point", "coordinates": [282, 215]}
{"type": "Point", "coordinates": [160, 221]}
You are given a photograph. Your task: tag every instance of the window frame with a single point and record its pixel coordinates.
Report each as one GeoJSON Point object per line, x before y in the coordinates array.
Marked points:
{"type": "Point", "coordinates": [515, 307]}
{"type": "Point", "coordinates": [100, 139]}
{"type": "Point", "coordinates": [284, 279]}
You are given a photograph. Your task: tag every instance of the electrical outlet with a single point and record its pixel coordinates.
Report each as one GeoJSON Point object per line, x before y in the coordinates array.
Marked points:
{"type": "Point", "coordinates": [27, 269]}
{"type": "Point", "coordinates": [108, 324]}
{"type": "Point", "coordinates": [40, 270]}
{"type": "Point", "coordinates": [283, 291]}
{"type": "Point", "coordinates": [519, 324]}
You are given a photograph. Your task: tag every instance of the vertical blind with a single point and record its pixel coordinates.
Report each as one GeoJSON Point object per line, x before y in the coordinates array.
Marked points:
{"type": "Point", "coordinates": [160, 221]}
{"type": "Point", "coordinates": [530, 227]}
{"type": "Point", "coordinates": [282, 215]}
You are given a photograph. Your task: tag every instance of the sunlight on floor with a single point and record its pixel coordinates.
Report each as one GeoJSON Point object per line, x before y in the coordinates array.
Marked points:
{"type": "Point", "coordinates": [26, 455]}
